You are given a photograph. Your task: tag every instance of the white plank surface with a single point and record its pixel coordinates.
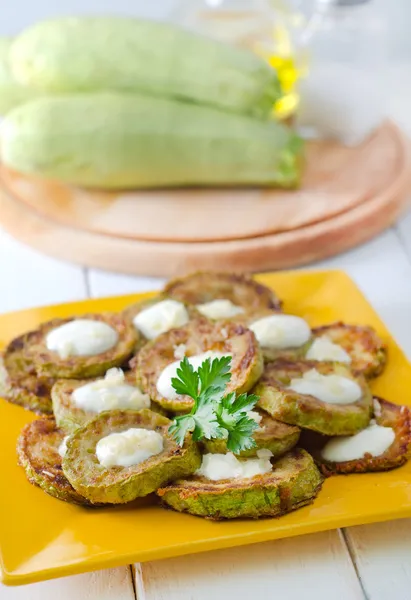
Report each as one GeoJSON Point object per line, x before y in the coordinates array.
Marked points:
{"type": "Point", "coordinates": [403, 229]}
{"type": "Point", "coordinates": [31, 279]}
{"type": "Point", "coordinates": [382, 553]}
{"type": "Point", "coordinates": [102, 283]}
{"type": "Point", "coordinates": [312, 566]}
{"type": "Point", "coordinates": [111, 584]}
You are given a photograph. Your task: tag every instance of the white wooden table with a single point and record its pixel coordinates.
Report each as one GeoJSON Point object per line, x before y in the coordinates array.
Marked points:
{"type": "Point", "coordinates": [368, 562]}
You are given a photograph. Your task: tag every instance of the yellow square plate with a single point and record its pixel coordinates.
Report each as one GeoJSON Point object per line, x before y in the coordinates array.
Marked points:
{"type": "Point", "coordinates": [41, 538]}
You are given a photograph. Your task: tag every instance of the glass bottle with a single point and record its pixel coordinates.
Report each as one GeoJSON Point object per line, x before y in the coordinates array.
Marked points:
{"type": "Point", "coordinates": [342, 96]}
{"type": "Point", "coordinates": [267, 27]}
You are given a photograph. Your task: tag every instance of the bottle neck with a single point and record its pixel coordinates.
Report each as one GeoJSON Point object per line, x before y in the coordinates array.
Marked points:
{"type": "Point", "coordinates": [327, 5]}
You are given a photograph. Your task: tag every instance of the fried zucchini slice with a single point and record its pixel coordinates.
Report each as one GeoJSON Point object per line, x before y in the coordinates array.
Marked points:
{"type": "Point", "coordinates": [366, 349]}
{"type": "Point", "coordinates": [37, 449]}
{"type": "Point", "coordinates": [49, 363]}
{"type": "Point", "coordinates": [386, 414]}
{"type": "Point", "coordinates": [68, 415]}
{"type": "Point", "coordinates": [117, 485]}
{"type": "Point", "coordinates": [305, 410]}
{"type": "Point", "coordinates": [277, 437]}
{"type": "Point", "coordinates": [19, 382]}
{"type": "Point", "coordinates": [177, 320]}
{"type": "Point", "coordinates": [294, 482]}
{"type": "Point", "coordinates": [197, 337]}
{"type": "Point", "coordinates": [132, 310]}
{"type": "Point", "coordinates": [271, 353]}
{"type": "Point", "coordinates": [206, 286]}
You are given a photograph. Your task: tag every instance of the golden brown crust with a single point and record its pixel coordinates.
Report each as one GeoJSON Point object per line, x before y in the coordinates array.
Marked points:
{"type": "Point", "coordinates": [388, 415]}
{"type": "Point", "coordinates": [49, 363]}
{"type": "Point", "coordinates": [69, 416]}
{"type": "Point", "coordinates": [118, 485]}
{"type": "Point", "coordinates": [199, 336]}
{"type": "Point", "coordinates": [37, 449]}
{"type": "Point", "coordinates": [205, 286]}
{"type": "Point", "coordinates": [367, 350]}
{"type": "Point", "coordinates": [19, 382]}
{"type": "Point", "coordinates": [307, 411]}
{"type": "Point", "coordinates": [293, 482]}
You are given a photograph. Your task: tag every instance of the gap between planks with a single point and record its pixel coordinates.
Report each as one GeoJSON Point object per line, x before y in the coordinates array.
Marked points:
{"type": "Point", "coordinates": [316, 566]}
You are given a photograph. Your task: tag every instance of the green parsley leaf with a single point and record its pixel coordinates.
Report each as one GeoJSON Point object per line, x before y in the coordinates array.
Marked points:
{"type": "Point", "coordinates": [240, 437]}
{"type": "Point", "coordinates": [241, 403]}
{"type": "Point", "coordinates": [214, 415]}
{"type": "Point", "coordinates": [207, 425]}
{"type": "Point", "coordinates": [215, 374]}
{"type": "Point", "coordinates": [232, 416]}
{"type": "Point", "coordinates": [187, 381]}
{"type": "Point", "coordinates": [180, 427]}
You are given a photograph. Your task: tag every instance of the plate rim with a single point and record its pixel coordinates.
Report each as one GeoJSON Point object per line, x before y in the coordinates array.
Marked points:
{"type": "Point", "coordinates": [98, 562]}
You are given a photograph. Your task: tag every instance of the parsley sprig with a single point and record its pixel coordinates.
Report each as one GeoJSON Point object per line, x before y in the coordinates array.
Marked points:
{"type": "Point", "coordinates": [215, 415]}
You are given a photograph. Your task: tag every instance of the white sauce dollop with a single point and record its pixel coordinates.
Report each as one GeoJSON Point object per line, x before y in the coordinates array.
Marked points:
{"type": "Point", "coordinates": [62, 449]}
{"type": "Point", "coordinates": [377, 408]}
{"type": "Point", "coordinates": [180, 351]}
{"type": "Point", "coordinates": [164, 386]}
{"type": "Point", "coordinates": [324, 349]}
{"type": "Point", "coordinates": [161, 317]}
{"type": "Point", "coordinates": [281, 331]}
{"type": "Point", "coordinates": [109, 393]}
{"type": "Point", "coordinates": [81, 337]}
{"type": "Point", "coordinates": [374, 440]}
{"type": "Point", "coordinates": [219, 309]}
{"type": "Point", "coordinates": [333, 389]}
{"type": "Point", "coordinates": [253, 414]}
{"type": "Point", "coordinates": [128, 448]}
{"type": "Point", "coordinates": [227, 466]}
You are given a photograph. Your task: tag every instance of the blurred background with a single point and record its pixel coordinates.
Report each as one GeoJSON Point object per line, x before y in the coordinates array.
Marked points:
{"type": "Point", "coordinates": [343, 69]}
{"type": "Point", "coordinates": [21, 13]}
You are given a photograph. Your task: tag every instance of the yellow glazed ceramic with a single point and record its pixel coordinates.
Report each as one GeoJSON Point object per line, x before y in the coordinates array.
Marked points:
{"type": "Point", "coordinates": [41, 537]}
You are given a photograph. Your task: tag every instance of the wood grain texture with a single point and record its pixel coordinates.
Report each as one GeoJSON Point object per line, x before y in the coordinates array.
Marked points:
{"type": "Point", "coordinates": [158, 259]}
{"type": "Point", "coordinates": [336, 179]}
{"type": "Point", "coordinates": [283, 250]}
{"type": "Point", "coordinates": [111, 584]}
{"type": "Point", "coordinates": [282, 569]}
{"type": "Point", "coordinates": [382, 555]}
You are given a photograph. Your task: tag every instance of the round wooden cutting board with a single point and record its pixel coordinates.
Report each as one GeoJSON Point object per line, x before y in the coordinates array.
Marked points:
{"type": "Point", "coordinates": [347, 196]}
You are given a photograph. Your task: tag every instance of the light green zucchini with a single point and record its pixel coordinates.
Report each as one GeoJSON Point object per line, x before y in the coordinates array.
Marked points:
{"type": "Point", "coordinates": [113, 140]}
{"type": "Point", "coordinates": [116, 53]}
{"type": "Point", "coordinates": [11, 93]}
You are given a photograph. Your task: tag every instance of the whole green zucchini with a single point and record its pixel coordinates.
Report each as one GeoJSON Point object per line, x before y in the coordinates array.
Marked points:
{"type": "Point", "coordinates": [11, 93]}
{"type": "Point", "coordinates": [112, 140]}
{"type": "Point", "coordinates": [126, 54]}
